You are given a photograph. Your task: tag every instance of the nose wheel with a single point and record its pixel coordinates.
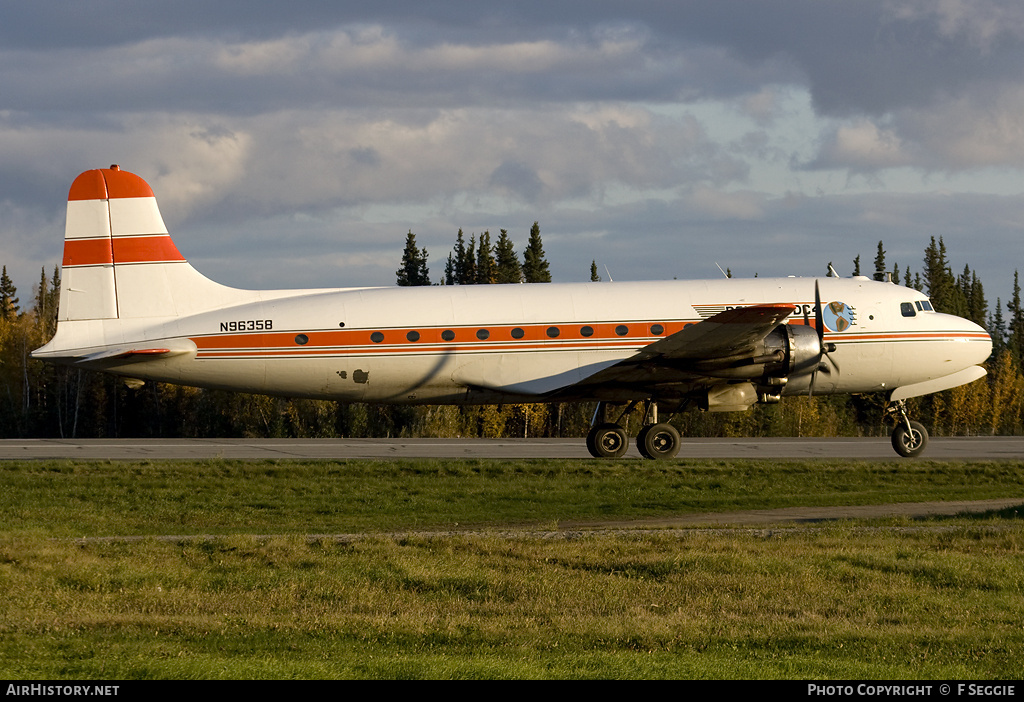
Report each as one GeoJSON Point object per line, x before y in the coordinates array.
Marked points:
{"type": "Point", "coordinates": [908, 438]}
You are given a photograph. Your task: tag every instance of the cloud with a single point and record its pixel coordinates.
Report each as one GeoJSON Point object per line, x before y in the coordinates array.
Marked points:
{"type": "Point", "coordinates": [977, 130]}
{"type": "Point", "coordinates": [983, 23]}
{"type": "Point", "coordinates": [278, 131]}
{"type": "Point", "coordinates": [729, 206]}
{"type": "Point", "coordinates": [862, 147]}
{"type": "Point", "coordinates": [296, 160]}
{"type": "Point", "coordinates": [968, 133]}
{"type": "Point", "coordinates": [519, 179]}
{"type": "Point", "coordinates": [335, 67]}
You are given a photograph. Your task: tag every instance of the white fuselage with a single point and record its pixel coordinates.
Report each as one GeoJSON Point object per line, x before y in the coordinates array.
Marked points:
{"type": "Point", "coordinates": [498, 343]}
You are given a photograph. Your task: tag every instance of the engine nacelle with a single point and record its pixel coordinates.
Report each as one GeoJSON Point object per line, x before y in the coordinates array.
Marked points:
{"type": "Point", "coordinates": [799, 348]}
{"type": "Point", "coordinates": [788, 351]}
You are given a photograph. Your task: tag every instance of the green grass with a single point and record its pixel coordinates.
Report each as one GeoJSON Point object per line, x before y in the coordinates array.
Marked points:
{"type": "Point", "coordinates": [830, 602]}
{"type": "Point", "coordinates": [320, 497]}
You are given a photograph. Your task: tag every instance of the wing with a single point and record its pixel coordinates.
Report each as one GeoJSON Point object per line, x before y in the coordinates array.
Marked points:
{"type": "Point", "coordinates": [698, 354]}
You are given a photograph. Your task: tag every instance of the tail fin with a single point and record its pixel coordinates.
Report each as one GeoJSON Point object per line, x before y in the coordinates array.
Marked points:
{"type": "Point", "coordinates": [119, 260]}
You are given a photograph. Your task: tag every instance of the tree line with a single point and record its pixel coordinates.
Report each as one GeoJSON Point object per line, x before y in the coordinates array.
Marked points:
{"type": "Point", "coordinates": [42, 400]}
{"type": "Point", "coordinates": [479, 262]}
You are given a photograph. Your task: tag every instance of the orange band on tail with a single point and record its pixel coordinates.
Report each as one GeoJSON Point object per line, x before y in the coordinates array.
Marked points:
{"type": "Point", "coordinates": [106, 183]}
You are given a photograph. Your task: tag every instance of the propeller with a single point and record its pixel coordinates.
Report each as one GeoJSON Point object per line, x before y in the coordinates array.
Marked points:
{"type": "Point", "coordinates": [826, 349]}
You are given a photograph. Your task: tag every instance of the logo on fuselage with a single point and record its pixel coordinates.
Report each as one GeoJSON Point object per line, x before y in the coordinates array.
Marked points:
{"type": "Point", "coordinates": [838, 316]}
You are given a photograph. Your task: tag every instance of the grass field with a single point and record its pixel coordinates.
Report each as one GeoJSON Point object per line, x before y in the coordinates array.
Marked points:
{"type": "Point", "coordinates": [834, 601]}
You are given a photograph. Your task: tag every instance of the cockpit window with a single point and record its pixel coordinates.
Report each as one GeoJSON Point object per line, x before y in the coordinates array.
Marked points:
{"type": "Point", "coordinates": [924, 306]}
{"type": "Point", "coordinates": [907, 309]}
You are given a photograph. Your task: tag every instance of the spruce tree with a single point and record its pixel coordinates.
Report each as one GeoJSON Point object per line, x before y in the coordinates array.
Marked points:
{"type": "Point", "coordinates": [485, 264]}
{"type": "Point", "coordinates": [47, 299]}
{"type": "Point", "coordinates": [997, 329]}
{"type": "Point", "coordinates": [42, 294]}
{"type": "Point", "coordinates": [449, 271]}
{"type": "Point", "coordinates": [509, 270]}
{"type": "Point", "coordinates": [8, 297]}
{"type": "Point", "coordinates": [594, 277]}
{"type": "Point", "coordinates": [939, 281]}
{"type": "Point", "coordinates": [1015, 332]}
{"type": "Point", "coordinates": [54, 298]}
{"type": "Point", "coordinates": [535, 266]}
{"type": "Point", "coordinates": [464, 268]}
{"type": "Point", "coordinates": [880, 263]}
{"type": "Point", "coordinates": [469, 269]}
{"type": "Point", "coordinates": [414, 269]}
{"type": "Point", "coordinates": [973, 294]}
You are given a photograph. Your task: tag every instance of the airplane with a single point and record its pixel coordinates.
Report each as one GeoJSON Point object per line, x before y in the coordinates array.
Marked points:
{"type": "Point", "coordinates": [131, 305]}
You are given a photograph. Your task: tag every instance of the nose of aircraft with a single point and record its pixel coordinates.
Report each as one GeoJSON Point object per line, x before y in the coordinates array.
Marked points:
{"type": "Point", "coordinates": [976, 344]}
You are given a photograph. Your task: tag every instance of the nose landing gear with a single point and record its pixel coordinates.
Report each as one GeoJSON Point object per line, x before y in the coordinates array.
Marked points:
{"type": "Point", "coordinates": [908, 438]}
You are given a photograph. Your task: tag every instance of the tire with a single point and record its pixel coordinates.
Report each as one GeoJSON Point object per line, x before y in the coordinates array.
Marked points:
{"type": "Point", "coordinates": [659, 442]}
{"type": "Point", "coordinates": [909, 443]}
{"type": "Point", "coordinates": [607, 441]}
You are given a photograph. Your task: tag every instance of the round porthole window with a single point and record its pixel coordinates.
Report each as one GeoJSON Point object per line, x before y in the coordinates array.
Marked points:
{"type": "Point", "coordinates": [553, 332]}
{"type": "Point", "coordinates": [482, 334]}
{"type": "Point", "coordinates": [376, 337]}
{"type": "Point", "coordinates": [413, 336]}
{"type": "Point", "coordinates": [301, 339]}
{"type": "Point", "coordinates": [448, 335]}
{"type": "Point", "coordinates": [586, 331]}
{"type": "Point", "coordinates": [518, 333]}
{"type": "Point", "coordinates": [622, 330]}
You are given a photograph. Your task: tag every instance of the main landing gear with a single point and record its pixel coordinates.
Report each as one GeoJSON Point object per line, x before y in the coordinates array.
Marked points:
{"type": "Point", "coordinates": [908, 438]}
{"type": "Point", "coordinates": [656, 440]}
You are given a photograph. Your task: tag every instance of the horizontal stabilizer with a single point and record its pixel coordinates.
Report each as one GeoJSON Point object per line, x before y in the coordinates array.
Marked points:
{"type": "Point", "coordinates": [141, 354]}
{"type": "Point", "coordinates": [103, 358]}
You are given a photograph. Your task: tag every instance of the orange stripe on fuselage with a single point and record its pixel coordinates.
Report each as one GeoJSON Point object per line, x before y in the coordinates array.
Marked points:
{"type": "Point", "coordinates": [910, 336]}
{"type": "Point", "coordinates": [431, 336]}
{"type": "Point", "coordinates": [135, 249]}
{"type": "Point", "coordinates": [276, 344]}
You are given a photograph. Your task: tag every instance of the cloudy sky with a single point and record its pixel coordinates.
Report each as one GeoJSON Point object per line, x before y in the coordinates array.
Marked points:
{"type": "Point", "coordinates": [294, 144]}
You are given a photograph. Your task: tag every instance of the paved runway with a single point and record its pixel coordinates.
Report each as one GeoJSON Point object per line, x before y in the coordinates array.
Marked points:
{"type": "Point", "coordinates": [958, 448]}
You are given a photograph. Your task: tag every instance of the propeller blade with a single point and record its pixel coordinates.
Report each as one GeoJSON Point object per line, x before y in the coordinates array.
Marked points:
{"type": "Point", "coordinates": [819, 322]}
{"type": "Point", "coordinates": [821, 337]}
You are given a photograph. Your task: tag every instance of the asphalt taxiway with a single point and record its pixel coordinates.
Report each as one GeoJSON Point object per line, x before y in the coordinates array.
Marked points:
{"type": "Point", "coordinates": [954, 448]}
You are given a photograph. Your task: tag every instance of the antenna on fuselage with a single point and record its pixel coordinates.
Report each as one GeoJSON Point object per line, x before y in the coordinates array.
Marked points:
{"type": "Point", "coordinates": [832, 271]}
{"type": "Point", "coordinates": [720, 268]}
{"type": "Point", "coordinates": [608, 273]}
